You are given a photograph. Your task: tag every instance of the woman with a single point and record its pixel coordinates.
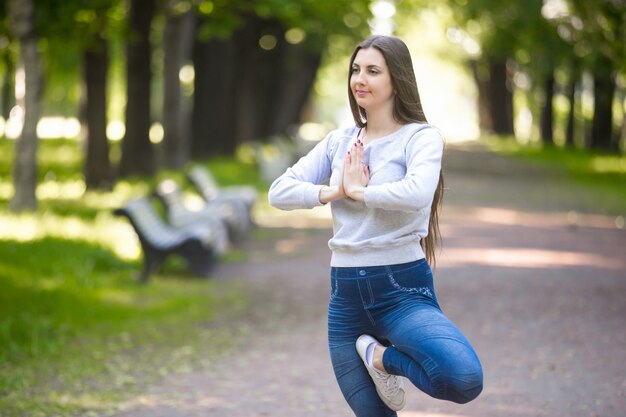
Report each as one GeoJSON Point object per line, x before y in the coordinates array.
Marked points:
{"type": "Point", "coordinates": [385, 187]}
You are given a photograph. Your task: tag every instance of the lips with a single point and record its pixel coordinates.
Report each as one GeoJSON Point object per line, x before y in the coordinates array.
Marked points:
{"type": "Point", "coordinates": [360, 93]}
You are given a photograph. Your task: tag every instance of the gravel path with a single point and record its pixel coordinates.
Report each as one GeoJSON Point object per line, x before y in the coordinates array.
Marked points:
{"type": "Point", "coordinates": [532, 276]}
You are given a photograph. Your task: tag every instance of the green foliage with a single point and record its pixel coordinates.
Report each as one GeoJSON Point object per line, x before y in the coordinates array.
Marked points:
{"type": "Point", "coordinates": [318, 19]}
{"type": "Point", "coordinates": [321, 18]}
{"type": "Point", "coordinates": [66, 29]}
{"type": "Point", "coordinates": [596, 31]}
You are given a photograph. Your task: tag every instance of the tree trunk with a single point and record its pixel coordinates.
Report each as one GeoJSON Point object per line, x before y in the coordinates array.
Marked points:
{"type": "Point", "coordinates": [246, 67]}
{"type": "Point", "coordinates": [213, 118]}
{"type": "Point", "coordinates": [260, 92]}
{"type": "Point", "coordinates": [8, 86]}
{"type": "Point", "coordinates": [299, 69]}
{"type": "Point", "coordinates": [22, 21]}
{"type": "Point", "coordinates": [137, 150]}
{"type": "Point", "coordinates": [501, 98]}
{"type": "Point", "coordinates": [603, 92]}
{"type": "Point", "coordinates": [270, 65]}
{"type": "Point", "coordinates": [97, 162]}
{"type": "Point", "coordinates": [178, 36]}
{"type": "Point", "coordinates": [481, 77]}
{"type": "Point", "coordinates": [621, 138]}
{"type": "Point", "coordinates": [571, 116]}
{"type": "Point", "coordinates": [546, 122]}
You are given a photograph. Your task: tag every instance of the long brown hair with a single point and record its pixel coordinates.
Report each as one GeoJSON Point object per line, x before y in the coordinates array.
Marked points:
{"type": "Point", "coordinates": [407, 109]}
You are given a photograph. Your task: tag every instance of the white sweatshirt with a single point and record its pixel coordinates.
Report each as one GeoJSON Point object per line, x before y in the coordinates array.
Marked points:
{"type": "Point", "coordinates": [387, 227]}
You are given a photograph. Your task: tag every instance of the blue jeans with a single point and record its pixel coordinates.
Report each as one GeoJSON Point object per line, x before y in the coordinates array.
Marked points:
{"type": "Point", "coordinates": [397, 305]}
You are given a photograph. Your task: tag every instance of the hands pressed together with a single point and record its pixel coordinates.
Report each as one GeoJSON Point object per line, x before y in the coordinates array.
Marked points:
{"type": "Point", "coordinates": [355, 177]}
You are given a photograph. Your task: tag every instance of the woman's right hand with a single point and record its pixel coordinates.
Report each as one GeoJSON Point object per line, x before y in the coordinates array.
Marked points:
{"type": "Point", "coordinates": [334, 193]}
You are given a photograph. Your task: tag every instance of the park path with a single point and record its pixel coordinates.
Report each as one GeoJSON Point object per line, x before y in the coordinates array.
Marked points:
{"type": "Point", "coordinates": [532, 276]}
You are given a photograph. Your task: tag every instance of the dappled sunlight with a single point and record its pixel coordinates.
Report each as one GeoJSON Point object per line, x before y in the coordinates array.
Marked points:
{"type": "Point", "coordinates": [107, 230]}
{"type": "Point", "coordinates": [526, 258]}
{"type": "Point", "coordinates": [6, 190]}
{"type": "Point", "coordinates": [609, 164]}
{"type": "Point", "coordinates": [63, 155]}
{"type": "Point", "coordinates": [83, 400]}
{"type": "Point", "coordinates": [76, 190]}
{"type": "Point", "coordinates": [117, 296]}
{"type": "Point", "coordinates": [186, 402]}
{"type": "Point", "coordinates": [509, 217]}
{"type": "Point", "coordinates": [52, 190]}
{"type": "Point", "coordinates": [471, 237]}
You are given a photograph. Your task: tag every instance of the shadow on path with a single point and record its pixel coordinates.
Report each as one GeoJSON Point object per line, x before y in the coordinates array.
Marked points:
{"type": "Point", "coordinates": [538, 290]}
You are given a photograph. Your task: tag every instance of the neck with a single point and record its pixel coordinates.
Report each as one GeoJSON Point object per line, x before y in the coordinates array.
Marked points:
{"type": "Point", "coordinates": [379, 125]}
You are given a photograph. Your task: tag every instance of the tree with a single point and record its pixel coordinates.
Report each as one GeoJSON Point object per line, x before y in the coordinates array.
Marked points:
{"type": "Point", "coordinates": [214, 115]}
{"type": "Point", "coordinates": [92, 25]}
{"type": "Point", "coordinates": [137, 150]}
{"type": "Point", "coordinates": [22, 23]}
{"type": "Point", "coordinates": [496, 26]}
{"type": "Point", "coordinates": [266, 55]}
{"type": "Point", "coordinates": [595, 32]}
{"type": "Point", "coordinates": [297, 75]}
{"type": "Point", "coordinates": [7, 69]}
{"type": "Point", "coordinates": [97, 166]}
{"type": "Point", "coordinates": [571, 97]}
{"type": "Point", "coordinates": [177, 44]}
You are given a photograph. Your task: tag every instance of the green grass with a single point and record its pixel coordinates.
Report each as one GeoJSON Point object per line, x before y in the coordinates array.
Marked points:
{"type": "Point", "coordinates": [77, 335]}
{"type": "Point", "coordinates": [600, 173]}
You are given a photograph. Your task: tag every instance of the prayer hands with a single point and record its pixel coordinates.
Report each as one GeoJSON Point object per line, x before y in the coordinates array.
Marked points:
{"type": "Point", "coordinates": [356, 174]}
{"type": "Point", "coordinates": [354, 178]}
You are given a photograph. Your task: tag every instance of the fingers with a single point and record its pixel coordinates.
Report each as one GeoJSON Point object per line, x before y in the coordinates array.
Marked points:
{"type": "Point", "coordinates": [358, 157]}
{"type": "Point", "coordinates": [354, 157]}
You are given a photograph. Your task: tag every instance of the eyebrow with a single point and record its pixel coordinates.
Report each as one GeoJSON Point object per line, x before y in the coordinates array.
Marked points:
{"type": "Point", "coordinates": [367, 66]}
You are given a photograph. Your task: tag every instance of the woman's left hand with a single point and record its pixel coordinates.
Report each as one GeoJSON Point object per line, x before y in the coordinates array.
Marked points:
{"type": "Point", "coordinates": [356, 174]}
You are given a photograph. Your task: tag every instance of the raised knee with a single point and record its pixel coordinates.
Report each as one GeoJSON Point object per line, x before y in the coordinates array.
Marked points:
{"type": "Point", "coordinates": [465, 388]}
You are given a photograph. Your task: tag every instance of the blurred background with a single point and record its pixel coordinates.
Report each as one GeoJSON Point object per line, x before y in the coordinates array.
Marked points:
{"type": "Point", "coordinates": [172, 81]}
{"type": "Point", "coordinates": [101, 100]}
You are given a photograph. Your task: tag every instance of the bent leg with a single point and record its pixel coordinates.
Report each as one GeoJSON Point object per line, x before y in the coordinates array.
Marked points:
{"type": "Point", "coordinates": [434, 355]}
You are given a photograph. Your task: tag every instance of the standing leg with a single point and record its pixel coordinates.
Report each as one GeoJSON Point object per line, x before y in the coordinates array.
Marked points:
{"type": "Point", "coordinates": [347, 320]}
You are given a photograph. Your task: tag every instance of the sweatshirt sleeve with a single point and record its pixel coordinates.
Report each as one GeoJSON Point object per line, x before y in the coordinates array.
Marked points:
{"type": "Point", "coordinates": [416, 190]}
{"type": "Point", "coordinates": [299, 187]}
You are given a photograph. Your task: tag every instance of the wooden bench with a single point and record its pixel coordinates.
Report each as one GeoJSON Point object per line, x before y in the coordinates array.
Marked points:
{"type": "Point", "coordinates": [202, 179]}
{"type": "Point", "coordinates": [222, 214]}
{"type": "Point", "coordinates": [235, 202]}
{"type": "Point", "coordinates": [197, 245]}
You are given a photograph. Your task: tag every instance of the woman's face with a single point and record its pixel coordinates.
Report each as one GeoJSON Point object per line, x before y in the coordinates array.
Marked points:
{"type": "Point", "coordinates": [370, 81]}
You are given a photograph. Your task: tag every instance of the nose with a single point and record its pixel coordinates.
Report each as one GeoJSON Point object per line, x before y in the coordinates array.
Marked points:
{"type": "Point", "coordinates": [357, 77]}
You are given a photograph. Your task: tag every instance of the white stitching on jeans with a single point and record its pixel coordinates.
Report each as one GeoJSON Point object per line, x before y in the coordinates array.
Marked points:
{"type": "Point", "coordinates": [333, 291]}
{"type": "Point", "coordinates": [421, 290]}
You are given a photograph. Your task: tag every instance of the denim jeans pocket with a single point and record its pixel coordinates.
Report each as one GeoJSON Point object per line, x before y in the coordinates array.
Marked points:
{"type": "Point", "coordinates": [418, 280]}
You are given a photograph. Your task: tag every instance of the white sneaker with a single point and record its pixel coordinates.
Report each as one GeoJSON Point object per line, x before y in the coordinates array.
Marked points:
{"type": "Point", "coordinates": [390, 388]}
